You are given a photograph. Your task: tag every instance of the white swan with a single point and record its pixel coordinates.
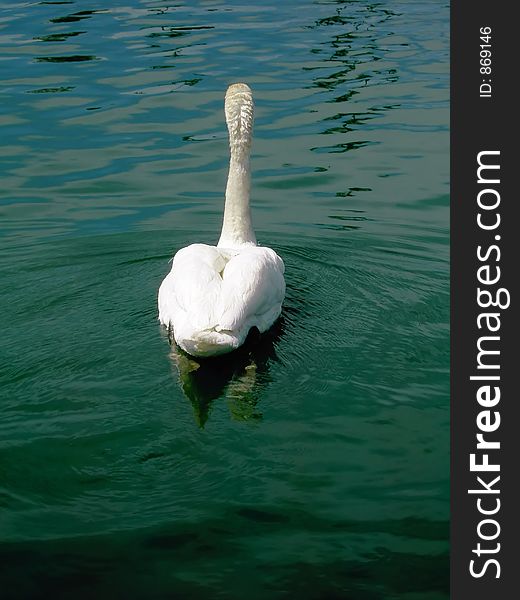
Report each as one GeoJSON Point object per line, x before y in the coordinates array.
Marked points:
{"type": "Point", "coordinates": [214, 295]}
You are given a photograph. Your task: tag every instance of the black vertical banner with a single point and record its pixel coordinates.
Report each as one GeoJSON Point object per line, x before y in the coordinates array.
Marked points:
{"type": "Point", "coordinates": [485, 259]}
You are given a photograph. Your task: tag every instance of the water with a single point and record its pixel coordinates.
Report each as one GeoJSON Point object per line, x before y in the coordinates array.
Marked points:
{"type": "Point", "coordinates": [312, 465]}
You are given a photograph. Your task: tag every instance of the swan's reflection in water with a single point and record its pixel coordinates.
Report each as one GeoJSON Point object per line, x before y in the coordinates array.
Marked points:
{"type": "Point", "coordinates": [238, 377]}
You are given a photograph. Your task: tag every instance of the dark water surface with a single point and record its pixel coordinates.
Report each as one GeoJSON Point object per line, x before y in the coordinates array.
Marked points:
{"type": "Point", "coordinates": [312, 465]}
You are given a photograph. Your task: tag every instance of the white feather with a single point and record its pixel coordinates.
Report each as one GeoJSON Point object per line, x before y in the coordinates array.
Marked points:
{"type": "Point", "coordinates": [214, 295]}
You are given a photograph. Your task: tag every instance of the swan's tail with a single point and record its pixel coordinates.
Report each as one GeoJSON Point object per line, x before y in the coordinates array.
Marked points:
{"type": "Point", "coordinates": [208, 343]}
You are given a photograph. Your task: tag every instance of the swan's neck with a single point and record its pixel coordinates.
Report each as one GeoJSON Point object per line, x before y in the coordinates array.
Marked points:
{"type": "Point", "coordinates": [237, 228]}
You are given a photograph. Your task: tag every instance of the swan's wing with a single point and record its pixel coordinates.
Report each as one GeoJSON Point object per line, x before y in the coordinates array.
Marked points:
{"type": "Point", "coordinates": [190, 292]}
{"type": "Point", "coordinates": [253, 289]}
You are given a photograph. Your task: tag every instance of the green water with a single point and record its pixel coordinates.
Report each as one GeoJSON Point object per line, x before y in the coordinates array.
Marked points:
{"type": "Point", "coordinates": [311, 465]}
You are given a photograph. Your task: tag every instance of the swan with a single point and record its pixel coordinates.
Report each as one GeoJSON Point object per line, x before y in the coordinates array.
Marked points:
{"type": "Point", "coordinates": [214, 295]}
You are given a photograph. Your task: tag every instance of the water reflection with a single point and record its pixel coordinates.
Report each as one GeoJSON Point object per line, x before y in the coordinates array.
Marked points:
{"type": "Point", "coordinates": [59, 37]}
{"type": "Point", "coordinates": [63, 59]}
{"type": "Point", "coordinates": [75, 17]}
{"type": "Point", "coordinates": [348, 60]}
{"type": "Point", "coordinates": [238, 377]}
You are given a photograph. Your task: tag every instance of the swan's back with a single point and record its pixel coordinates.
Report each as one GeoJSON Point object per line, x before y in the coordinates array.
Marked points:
{"type": "Point", "coordinates": [212, 297]}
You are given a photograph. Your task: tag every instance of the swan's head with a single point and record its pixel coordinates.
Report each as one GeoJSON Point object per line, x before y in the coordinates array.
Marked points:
{"type": "Point", "coordinates": [239, 110]}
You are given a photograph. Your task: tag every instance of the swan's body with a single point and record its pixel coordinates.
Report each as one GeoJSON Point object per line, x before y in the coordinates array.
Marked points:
{"type": "Point", "coordinates": [214, 295]}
